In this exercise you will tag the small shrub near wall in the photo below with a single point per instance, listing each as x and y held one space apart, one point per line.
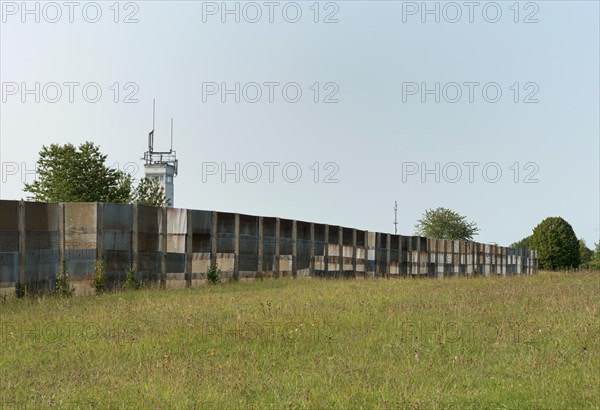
213 276
99 282
131 282
63 287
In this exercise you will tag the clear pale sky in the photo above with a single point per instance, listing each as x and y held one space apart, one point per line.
376 50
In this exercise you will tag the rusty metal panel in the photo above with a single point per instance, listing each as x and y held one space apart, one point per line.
395 255
303 245
9 243
333 259
41 245
269 245
448 266
440 247
148 228
201 221
381 253
149 254
334 252
319 239
334 232
176 239
347 236
487 267
498 260
347 252
80 224
117 217
370 253
80 238
225 232
371 245
117 224
249 244
432 249
176 230
41 216
201 230
422 244
463 253
9 216
286 238
200 264
347 255
439 256
360 253
117 227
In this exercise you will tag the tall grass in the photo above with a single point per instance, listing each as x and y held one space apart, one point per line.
527 342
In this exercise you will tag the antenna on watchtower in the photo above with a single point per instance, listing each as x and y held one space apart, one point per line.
395 217
151 133
171 150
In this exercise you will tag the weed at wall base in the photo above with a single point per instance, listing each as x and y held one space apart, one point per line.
99 282
63 287
131 282
213 276
21 290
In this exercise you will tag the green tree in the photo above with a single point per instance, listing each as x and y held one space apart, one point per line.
444 223
595 259
77 174
556 243
524 243
585 254
150 192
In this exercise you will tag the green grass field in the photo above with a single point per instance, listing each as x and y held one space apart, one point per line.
518 342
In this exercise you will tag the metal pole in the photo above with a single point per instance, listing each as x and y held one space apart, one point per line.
395 217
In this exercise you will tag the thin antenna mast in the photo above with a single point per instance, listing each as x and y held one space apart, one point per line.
161 164
153 112
395 217
151 133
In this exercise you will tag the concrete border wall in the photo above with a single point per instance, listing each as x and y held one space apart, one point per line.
175 247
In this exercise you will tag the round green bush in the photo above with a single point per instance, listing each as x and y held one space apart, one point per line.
556 243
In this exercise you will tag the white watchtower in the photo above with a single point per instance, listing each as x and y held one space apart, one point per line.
161 165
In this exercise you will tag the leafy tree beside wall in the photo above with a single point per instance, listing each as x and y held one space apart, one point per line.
150 192
524 243
79 174
444 223
585 254
595 260
556 243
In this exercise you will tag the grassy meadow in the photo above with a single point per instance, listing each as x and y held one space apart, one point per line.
468 343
